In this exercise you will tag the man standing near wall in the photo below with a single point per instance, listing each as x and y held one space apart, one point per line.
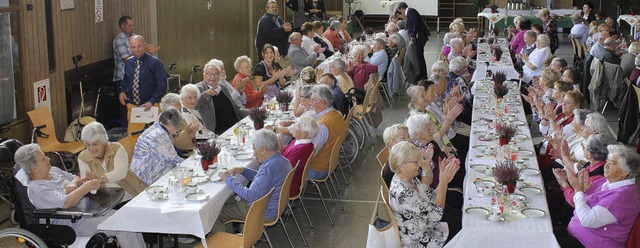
418 32
121 48
145 80
272 30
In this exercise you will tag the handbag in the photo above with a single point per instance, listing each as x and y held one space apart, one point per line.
381 233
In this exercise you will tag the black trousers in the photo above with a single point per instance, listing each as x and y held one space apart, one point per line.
421 61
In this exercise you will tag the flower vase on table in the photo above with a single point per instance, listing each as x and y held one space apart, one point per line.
507 174
258 116
209 153
284 98
505 132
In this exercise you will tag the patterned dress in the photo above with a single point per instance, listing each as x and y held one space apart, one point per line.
550 28
417 214
154 154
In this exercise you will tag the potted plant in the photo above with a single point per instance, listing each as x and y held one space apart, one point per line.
499 77
506 173
505 132
258 116
500 90
209 153
284 98
497 52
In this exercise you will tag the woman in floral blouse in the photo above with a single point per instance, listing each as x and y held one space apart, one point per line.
417 208
550 28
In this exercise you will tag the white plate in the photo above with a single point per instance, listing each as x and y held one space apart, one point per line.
477 211
479 167
215 177
530 171
533 212
199 174
199 179
526 153
518 197
530 190
519 123
244 157
521 137
197 197
485 183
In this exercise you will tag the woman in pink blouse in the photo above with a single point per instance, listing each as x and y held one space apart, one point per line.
517 43
358 69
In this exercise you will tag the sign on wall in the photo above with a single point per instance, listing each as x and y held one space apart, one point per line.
42 94
99 11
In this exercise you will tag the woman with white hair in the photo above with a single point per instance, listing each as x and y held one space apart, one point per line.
457 79
423 135
395 134
627 60
189 98
456 44
106 161
184 140
299 150
534 63
52 188
418 208
337 67
571 152
550 28
155 153
446 49
253 96
358 69
271 174
607 208
440 67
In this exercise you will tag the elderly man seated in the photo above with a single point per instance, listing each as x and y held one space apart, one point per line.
331 126
299 57
379 57
215 103
338 97
271 174
50 187
609 51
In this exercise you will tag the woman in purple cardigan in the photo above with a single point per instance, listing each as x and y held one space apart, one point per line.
299 150
606 209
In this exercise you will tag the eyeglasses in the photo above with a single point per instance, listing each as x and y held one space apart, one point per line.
412 161
206 74
91 145
567 103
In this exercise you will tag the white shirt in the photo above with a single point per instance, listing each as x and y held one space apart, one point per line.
537 58
308 44
379 59
595 49
597 216
302 141
580 31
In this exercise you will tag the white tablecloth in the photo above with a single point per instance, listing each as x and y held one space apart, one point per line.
492 17
532 12
632 20
484 55
476 230
176 215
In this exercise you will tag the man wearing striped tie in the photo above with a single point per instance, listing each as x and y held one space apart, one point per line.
145 80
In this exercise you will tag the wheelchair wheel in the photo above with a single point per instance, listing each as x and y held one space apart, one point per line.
359 131
349 149
16 237
12 217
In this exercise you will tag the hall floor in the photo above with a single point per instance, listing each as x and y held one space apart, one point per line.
359 196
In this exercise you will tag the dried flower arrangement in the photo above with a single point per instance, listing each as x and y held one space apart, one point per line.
258 115
208 150
506 172
500 90
506 131
284 97
499 77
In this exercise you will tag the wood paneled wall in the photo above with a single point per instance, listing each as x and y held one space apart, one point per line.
74 32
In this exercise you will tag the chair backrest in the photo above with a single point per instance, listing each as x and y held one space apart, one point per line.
384 191
254 222
42 116
129 144
284 193
579 48
350 115
634 235
305 174
637 90
133 127
574 46
383 156
335 154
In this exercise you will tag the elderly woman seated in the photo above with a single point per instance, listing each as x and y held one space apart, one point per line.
184 140
271 174
337 67
358 69
440 67
395 134
189 97
423 136
541 94
605 209
534 63
253 96
458 49
50 187
635 74
457 79
299 150
446 49
557 125
107 161
417 207
155 153
585 124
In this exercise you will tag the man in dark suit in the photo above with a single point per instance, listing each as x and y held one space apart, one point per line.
587 12
418 32
145 80
272 30
219 112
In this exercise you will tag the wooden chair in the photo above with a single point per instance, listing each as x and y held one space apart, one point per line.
283 203
42 120
384 191
252 231
363 111
349 158
129 144
383 156
634 235
333 162
637 94
135 127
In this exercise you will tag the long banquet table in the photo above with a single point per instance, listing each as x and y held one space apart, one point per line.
177 215
477 231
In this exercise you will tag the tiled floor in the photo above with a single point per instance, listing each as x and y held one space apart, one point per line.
359 196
